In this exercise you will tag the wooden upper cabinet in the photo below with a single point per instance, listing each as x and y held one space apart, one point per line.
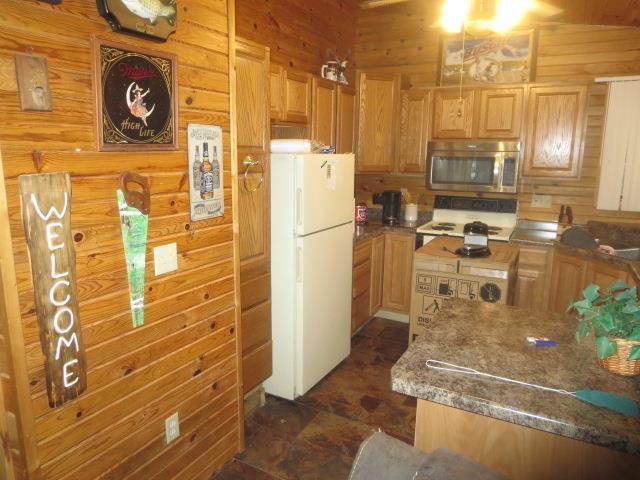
324 111
500 113
297 97
453 114
276 87
554 130
414 131
346 117
378 98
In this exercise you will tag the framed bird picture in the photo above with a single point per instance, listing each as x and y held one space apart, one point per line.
136 98
152 18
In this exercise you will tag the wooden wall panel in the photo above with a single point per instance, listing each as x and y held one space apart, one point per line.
299 32
184 359
399 39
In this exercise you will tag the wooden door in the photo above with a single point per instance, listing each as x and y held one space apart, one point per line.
378 98
252 89
532 284
605 275
297 97
398 262
414 131
500 113
276 92
360 294
323 111
453 113
377 269
568 279
554 131
346 128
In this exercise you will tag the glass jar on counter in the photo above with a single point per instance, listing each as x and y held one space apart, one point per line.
361 213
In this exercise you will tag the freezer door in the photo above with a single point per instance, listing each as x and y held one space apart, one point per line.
323 191
323 301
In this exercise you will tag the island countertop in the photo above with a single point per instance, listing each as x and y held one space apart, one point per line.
492 338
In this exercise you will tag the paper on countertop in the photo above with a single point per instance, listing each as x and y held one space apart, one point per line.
290 145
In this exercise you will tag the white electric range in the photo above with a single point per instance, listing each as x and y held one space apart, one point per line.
451 214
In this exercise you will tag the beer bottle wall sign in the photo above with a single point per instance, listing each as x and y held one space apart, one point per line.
46 216
206 182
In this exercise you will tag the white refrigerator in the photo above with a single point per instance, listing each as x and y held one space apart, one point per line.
312 208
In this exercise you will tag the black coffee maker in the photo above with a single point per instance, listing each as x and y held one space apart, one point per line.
390 201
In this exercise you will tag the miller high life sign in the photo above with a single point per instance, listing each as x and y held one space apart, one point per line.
46 205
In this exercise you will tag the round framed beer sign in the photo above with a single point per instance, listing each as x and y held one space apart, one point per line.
136 98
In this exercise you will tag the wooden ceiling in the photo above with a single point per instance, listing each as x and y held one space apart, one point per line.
588 12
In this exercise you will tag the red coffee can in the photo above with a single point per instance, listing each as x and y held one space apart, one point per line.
361 213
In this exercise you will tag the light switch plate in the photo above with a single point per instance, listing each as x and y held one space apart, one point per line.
172 428
165 258
540 201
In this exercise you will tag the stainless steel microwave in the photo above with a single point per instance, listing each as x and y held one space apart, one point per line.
486 166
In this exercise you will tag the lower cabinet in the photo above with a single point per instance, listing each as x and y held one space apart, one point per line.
532 283
361 285
572 273
398 262
381 276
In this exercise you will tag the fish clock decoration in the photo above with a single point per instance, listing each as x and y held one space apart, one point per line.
136 99
153 18
133 205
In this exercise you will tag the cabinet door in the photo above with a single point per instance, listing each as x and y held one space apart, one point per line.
323 111
568 279
297 97
398 261
276 89
252 90
554 130
414 115
452 114
605 275
377 269
500 113
346 129
377 100
532 284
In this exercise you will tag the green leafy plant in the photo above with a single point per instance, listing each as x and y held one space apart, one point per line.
612 314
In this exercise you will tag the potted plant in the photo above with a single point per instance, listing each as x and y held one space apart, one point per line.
614 316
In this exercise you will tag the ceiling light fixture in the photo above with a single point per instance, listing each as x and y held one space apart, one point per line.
455 15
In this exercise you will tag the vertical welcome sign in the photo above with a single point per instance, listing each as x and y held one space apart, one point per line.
46 205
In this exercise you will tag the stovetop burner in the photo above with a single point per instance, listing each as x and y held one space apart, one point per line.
442 228
493 232
446 224
495 229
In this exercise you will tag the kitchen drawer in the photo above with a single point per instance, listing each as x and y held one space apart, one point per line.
361 278
361 252
534 257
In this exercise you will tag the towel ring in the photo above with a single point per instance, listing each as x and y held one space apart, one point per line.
250 162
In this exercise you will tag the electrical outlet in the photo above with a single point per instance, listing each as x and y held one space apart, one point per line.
165 258
172 428
541 201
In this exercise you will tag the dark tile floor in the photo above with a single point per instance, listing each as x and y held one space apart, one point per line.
318 435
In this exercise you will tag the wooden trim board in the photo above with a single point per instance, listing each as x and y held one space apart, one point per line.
520 452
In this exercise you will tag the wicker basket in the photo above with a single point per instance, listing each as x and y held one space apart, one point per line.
619 363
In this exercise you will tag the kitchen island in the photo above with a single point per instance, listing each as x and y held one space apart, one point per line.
523 432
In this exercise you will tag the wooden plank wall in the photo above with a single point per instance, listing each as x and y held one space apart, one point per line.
399 39
299 32
184 358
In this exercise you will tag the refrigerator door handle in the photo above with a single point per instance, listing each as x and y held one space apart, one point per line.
299 265
299 205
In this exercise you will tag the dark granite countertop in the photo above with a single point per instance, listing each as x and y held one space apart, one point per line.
492 338
374 228
632 266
